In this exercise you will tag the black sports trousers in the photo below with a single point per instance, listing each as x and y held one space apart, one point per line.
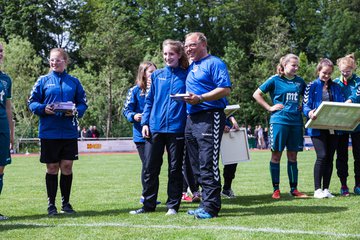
154 150
203 134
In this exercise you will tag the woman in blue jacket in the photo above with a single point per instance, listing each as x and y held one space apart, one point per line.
58 129
349 83
163 124
325 141
134 107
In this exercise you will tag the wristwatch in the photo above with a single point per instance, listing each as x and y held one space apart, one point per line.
201 99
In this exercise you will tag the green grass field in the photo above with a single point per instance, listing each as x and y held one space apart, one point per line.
107 187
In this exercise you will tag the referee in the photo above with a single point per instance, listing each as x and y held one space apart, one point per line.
208 83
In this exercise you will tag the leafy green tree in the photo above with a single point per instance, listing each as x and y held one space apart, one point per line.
113 54
272 40
45 23
307 69
306 19
235 21
242 86
24 67
340 35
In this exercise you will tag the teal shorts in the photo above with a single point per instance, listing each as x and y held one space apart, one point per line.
5 157
289 136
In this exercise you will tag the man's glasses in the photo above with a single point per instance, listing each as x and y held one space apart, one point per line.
191 45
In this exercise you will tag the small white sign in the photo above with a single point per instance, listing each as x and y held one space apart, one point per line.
230 109
234 147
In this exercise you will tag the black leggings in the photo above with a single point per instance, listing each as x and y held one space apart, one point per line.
325 146
343 157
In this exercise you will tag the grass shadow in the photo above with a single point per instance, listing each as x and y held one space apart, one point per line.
278 210
16 226
250 200
78 214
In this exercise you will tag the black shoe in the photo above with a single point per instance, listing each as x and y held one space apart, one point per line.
52 210
138 211
228 193
2 217
67 208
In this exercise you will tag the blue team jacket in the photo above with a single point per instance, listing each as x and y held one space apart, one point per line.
313 99
161 113
57 87
135 102
351 91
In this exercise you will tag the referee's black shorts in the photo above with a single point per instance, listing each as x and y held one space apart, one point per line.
55 150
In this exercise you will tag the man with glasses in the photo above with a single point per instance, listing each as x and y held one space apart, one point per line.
208 83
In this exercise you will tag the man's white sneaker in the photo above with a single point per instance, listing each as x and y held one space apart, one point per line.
327 193
319 193
171 212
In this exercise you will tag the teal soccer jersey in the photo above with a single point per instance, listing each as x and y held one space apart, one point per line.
5 93
286 92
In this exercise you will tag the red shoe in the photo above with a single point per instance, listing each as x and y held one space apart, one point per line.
298 194
276 194
186 198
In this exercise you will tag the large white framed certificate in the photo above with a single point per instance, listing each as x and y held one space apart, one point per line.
234 147
336 116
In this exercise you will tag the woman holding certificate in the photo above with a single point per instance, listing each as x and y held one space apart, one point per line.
163 124
325 141
58 126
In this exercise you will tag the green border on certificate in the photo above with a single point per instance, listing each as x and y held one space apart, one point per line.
336 116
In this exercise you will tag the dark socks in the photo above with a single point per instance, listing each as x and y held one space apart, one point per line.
65 187
292 174
1 182
51 187
275 174
343 181
227 183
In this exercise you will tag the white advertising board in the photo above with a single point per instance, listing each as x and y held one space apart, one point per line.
336 116
234 147
106 146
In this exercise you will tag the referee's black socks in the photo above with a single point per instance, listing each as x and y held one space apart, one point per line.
51 187
65 187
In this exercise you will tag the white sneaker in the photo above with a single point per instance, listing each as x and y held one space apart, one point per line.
319 194
327 193
171 212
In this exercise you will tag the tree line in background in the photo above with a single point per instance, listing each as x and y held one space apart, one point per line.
108 39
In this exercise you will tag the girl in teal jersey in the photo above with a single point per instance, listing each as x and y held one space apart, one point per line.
6 123
286 125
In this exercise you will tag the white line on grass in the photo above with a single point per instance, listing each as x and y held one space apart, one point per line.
232 228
